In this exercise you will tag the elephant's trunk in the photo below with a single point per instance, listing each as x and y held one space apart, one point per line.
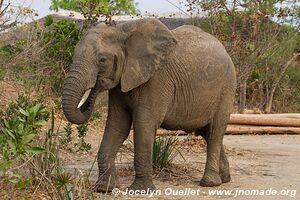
76 110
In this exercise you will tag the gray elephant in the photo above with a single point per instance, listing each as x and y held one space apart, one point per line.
177 80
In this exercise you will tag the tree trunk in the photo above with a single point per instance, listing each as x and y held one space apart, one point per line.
243 93
277 81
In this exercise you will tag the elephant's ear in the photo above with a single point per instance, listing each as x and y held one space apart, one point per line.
147 44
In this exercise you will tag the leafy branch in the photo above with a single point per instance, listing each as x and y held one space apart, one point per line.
92 10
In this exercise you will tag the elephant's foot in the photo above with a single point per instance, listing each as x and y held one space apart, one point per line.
211 179
224 169
142 184
104 186
106 182
225 175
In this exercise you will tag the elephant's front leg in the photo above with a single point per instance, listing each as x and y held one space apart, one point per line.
144 134
116 132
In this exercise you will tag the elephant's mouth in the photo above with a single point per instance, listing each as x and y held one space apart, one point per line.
88 98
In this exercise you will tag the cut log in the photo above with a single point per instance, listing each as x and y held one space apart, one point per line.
264 120
282 115
245 129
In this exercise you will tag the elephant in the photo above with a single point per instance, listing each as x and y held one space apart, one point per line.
181 79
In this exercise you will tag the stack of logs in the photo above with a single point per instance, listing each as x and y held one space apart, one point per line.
264 124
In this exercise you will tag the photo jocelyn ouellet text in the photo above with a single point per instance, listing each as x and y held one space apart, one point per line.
211 192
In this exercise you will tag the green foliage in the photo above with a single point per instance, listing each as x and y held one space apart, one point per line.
66 139
164 151
61 39
24 103
32 166
56 77
96 115
8 50
19 126
65 4
93 9
20 181
82 130
293 77
63 181
12 49
47 53
298 11
49 164
49 20
81 133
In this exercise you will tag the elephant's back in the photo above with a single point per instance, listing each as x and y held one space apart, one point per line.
202 54
194 41
194 36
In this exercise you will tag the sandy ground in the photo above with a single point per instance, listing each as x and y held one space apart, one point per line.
257 163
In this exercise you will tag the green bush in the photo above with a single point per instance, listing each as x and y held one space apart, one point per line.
82 130
66 138
61 39
293 77
18 126
11 49
96 115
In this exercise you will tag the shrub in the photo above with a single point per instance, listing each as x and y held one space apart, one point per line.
82 130
164 151
61 39
96 115
66 138
19 125
11 49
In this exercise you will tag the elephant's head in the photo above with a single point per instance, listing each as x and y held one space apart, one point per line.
127 54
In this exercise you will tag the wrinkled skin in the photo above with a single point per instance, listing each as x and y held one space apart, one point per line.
178 80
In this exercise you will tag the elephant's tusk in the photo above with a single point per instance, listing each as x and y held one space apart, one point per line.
84 98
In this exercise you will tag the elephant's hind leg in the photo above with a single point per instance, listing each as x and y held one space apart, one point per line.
224 164
224 167
217 167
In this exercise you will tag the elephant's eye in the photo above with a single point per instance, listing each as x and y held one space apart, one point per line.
102 60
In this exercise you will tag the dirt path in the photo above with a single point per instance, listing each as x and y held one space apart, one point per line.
257 163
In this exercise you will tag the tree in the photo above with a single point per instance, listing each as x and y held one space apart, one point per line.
276 82
261 37
93 9
12 15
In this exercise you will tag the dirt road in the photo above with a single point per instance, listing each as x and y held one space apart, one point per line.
264 164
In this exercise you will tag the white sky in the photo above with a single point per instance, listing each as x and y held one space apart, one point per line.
42 6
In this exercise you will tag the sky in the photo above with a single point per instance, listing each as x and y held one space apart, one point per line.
42 6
